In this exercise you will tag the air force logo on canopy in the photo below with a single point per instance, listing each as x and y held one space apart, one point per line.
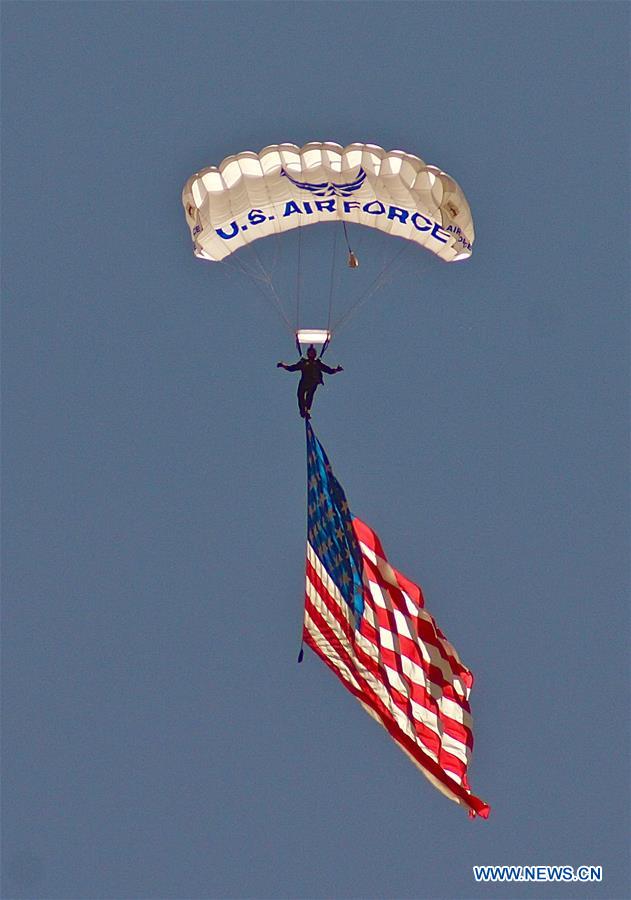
328 189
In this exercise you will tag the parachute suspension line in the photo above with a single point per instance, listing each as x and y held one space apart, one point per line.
279 305
298 277
274 300
332 283
240 266
267 278
331 287
279 255
372 288
273 264
348 243
277 244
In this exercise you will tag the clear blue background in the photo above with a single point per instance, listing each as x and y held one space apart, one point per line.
159 739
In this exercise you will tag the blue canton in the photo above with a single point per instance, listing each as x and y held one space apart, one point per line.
330 526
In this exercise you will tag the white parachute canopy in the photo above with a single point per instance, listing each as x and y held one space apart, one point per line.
253 195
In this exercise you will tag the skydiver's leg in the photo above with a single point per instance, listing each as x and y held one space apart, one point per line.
302 406
309 398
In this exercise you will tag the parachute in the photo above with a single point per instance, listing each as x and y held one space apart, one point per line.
251 196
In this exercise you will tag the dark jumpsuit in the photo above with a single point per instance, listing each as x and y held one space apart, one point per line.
310 378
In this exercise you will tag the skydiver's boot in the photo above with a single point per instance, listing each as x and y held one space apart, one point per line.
302 406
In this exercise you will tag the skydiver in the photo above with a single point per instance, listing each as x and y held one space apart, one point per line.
311 370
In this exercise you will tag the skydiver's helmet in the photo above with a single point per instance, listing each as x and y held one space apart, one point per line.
311 352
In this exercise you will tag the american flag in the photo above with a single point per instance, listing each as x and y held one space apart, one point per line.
368 623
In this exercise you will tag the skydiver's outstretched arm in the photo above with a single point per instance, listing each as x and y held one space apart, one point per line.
294 368
329 370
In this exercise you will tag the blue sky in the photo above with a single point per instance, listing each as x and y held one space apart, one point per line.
159 740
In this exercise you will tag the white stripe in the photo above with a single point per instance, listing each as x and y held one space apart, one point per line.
368 552
452 745
451 710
